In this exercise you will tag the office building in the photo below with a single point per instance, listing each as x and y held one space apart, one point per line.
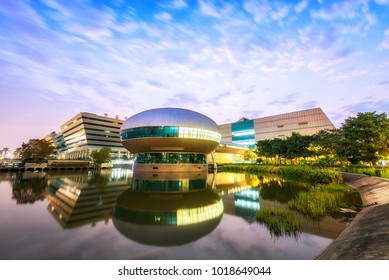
248 131
86 132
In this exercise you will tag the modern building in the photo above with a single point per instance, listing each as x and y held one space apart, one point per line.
249 131
172 135
170 139
57 141
87 132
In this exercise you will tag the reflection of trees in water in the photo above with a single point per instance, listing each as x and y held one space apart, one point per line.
279 223
276 189
29 190
99 180
314 200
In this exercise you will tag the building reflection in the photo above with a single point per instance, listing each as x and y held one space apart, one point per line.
244 194
85 198
167 209
239 193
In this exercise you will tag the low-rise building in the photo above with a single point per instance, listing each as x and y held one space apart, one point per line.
87 132
249 131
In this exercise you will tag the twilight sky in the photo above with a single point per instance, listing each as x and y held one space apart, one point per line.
225 59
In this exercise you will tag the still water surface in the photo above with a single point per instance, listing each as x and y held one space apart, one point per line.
120 215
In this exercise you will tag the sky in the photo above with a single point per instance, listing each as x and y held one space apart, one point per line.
224 59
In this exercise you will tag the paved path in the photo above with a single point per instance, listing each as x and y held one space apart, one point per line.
367 236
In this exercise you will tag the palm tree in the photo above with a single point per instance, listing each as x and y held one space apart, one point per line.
5 151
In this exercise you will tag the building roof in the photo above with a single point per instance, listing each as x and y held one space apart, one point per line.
170 117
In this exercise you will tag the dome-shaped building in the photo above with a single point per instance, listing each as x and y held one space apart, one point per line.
170 139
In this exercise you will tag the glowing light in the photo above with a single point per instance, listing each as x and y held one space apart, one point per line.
199 214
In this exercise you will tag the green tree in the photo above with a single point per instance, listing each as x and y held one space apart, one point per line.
364 138
17 153
250 156
324 142
274 148
298 146
36 150
102 155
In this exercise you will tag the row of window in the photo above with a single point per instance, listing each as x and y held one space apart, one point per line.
170 131
171 158
169 185
183 216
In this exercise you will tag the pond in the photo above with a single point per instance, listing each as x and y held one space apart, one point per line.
116 214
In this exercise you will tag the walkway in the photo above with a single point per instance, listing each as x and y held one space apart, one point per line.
367 236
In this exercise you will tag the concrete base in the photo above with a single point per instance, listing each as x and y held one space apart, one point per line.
367 236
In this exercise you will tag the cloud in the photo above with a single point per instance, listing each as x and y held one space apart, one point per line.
383 83
76 18
370 105
262 11
309 104
217 99
124 84
343 53
164 16
382 2
156 84
179 4
342 10
252 114
206 8
385 42
183 99
301 6
285 100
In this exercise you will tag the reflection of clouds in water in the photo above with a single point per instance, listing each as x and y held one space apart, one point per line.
39 236
233 239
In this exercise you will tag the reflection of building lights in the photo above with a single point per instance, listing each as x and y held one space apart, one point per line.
251 194
253 205
199 214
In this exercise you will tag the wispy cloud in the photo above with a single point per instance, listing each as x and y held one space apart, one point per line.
224 58
385 42
301 6
206 8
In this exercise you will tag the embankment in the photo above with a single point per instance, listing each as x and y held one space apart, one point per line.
367 236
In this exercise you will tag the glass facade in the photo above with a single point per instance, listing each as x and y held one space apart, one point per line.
179 217
170 131
61 144
171 158
243 133
169 185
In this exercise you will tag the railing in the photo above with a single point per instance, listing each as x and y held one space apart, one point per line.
19 166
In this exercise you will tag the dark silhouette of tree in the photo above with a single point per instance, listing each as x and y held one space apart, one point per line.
28 191
36 150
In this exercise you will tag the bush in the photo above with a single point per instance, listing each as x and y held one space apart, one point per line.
306 173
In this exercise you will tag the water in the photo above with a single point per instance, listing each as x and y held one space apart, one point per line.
120 215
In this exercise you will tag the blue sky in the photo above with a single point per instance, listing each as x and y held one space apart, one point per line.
225 59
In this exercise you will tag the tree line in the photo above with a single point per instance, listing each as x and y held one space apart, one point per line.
360 139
